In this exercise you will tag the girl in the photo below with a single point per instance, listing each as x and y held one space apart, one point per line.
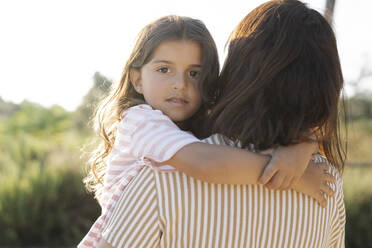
167 85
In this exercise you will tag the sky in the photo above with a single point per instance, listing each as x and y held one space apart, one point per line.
50 49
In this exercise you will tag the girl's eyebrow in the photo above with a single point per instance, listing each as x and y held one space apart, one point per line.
161 61
170 62
196 65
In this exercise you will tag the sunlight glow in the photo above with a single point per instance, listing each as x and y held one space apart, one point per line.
50 50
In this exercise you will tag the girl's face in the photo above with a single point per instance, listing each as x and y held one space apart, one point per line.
169 81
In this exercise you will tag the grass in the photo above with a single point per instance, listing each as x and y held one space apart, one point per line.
360 141
357 182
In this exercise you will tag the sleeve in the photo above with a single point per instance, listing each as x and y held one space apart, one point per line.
153 135
135 220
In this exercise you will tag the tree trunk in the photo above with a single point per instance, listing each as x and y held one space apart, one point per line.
329 10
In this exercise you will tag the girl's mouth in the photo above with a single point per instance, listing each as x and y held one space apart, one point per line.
177 101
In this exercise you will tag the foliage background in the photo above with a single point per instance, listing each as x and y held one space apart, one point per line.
42 198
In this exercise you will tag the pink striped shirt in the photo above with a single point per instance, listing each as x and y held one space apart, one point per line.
144 137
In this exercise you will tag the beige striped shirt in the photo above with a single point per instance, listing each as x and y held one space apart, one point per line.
175 210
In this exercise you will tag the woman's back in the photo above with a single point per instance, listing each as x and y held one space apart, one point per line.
175 210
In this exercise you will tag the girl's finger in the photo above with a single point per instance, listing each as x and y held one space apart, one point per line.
321 199
285 184
276 181
325 166
327 190
268 173
329 178
296 180
267 152
268 185
292 183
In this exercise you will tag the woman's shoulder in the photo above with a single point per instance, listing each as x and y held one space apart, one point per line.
220 139
333 170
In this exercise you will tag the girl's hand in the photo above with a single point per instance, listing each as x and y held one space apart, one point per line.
287 165
315 182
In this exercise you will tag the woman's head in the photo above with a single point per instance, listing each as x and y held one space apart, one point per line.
281 79
161 34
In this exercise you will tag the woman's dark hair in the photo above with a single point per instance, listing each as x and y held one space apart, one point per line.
281 81
124 96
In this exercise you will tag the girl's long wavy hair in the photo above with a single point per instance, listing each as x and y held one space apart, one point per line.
281 79
124 96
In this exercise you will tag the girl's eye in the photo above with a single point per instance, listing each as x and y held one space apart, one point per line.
194 74
163 70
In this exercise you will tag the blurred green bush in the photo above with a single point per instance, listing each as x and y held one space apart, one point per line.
359 222
45 208
43 201
358 201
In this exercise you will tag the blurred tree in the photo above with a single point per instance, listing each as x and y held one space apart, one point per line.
32 133
84 112
329 10
365 72
7 108
360 104
37 120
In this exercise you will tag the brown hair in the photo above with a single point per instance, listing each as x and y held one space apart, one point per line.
124 96
281 79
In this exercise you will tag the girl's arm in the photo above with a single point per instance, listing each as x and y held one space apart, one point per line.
144 130
224 164
219 164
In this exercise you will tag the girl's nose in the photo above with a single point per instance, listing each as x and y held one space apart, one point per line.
179 82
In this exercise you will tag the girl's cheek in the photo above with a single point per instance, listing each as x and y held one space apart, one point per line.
158 79
195 84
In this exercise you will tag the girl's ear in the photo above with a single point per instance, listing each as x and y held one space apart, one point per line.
135 79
